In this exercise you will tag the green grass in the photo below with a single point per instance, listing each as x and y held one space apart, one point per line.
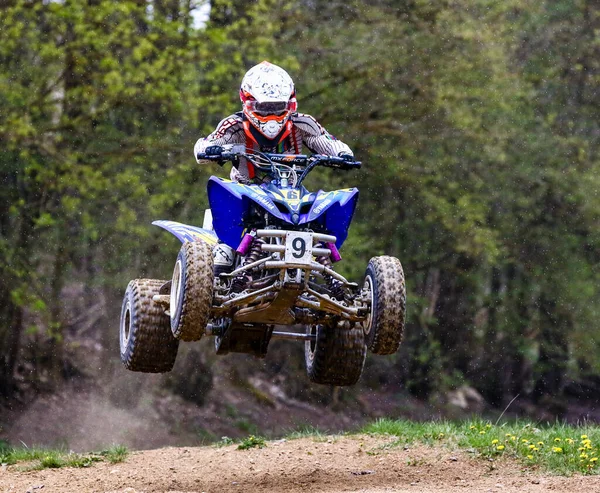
307 431
558 448
42 458
117 453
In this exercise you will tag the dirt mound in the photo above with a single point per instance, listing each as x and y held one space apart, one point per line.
355 463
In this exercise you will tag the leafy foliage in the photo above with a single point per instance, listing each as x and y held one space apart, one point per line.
477 122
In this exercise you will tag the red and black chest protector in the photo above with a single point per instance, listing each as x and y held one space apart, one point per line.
285 141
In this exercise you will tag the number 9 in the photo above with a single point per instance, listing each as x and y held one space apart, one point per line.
298 247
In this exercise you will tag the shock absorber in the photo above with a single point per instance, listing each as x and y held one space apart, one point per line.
334 286
254 253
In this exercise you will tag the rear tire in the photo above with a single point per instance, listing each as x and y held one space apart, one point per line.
384 329
146 341
191 291
337 355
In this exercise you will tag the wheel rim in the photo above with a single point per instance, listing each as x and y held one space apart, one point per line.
175 290
125 326
368 323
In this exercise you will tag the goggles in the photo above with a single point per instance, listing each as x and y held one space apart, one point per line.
270 107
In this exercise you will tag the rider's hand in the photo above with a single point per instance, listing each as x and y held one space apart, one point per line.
214 152
349 159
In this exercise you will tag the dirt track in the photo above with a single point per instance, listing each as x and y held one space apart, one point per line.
329 465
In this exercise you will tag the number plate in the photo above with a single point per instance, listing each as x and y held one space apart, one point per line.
298 248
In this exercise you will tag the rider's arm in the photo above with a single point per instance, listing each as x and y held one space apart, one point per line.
317 139
229 131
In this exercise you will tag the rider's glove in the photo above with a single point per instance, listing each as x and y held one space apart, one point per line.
349 159
214 151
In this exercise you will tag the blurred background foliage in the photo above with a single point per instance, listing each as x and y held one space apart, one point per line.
478 123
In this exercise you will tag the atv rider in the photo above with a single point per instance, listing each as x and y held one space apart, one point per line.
269 122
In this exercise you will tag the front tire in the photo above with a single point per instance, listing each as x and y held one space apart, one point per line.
146 342
191 291
384 281
337 355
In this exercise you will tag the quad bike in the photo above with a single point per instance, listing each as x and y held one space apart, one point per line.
262 268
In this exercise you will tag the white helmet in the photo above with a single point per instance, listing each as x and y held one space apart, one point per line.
269 98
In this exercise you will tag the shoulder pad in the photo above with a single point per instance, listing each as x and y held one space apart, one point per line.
225 125
307 123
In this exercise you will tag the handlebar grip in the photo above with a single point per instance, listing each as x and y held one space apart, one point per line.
348 165
228 156
218 158
210 157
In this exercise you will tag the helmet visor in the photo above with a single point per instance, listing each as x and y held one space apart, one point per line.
269 107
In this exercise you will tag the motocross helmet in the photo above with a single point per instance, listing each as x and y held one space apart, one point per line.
268 97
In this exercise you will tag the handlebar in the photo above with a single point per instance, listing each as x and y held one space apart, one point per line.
218 158
268 159
337 162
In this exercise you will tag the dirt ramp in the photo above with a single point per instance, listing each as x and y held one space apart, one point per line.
331 464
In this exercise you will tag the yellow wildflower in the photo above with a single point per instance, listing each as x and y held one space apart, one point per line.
471 427
532 446
558 450
500 447
494 442
508 435
524 440
540 443
557 439
535 449
488 425
482 432
583 456
594 459
583 437
530 457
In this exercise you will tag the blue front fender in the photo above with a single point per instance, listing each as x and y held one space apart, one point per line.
184 232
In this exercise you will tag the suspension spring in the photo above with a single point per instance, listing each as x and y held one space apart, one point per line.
255 251
335 287
239 283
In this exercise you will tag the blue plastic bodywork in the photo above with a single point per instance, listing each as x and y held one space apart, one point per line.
231 201
184 233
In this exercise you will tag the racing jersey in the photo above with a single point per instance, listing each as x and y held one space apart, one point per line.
299 131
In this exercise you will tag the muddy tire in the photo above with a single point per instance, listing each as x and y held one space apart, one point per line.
146 341
191 291
384 281
337 356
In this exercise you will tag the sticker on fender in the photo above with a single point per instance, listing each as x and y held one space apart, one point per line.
298 248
